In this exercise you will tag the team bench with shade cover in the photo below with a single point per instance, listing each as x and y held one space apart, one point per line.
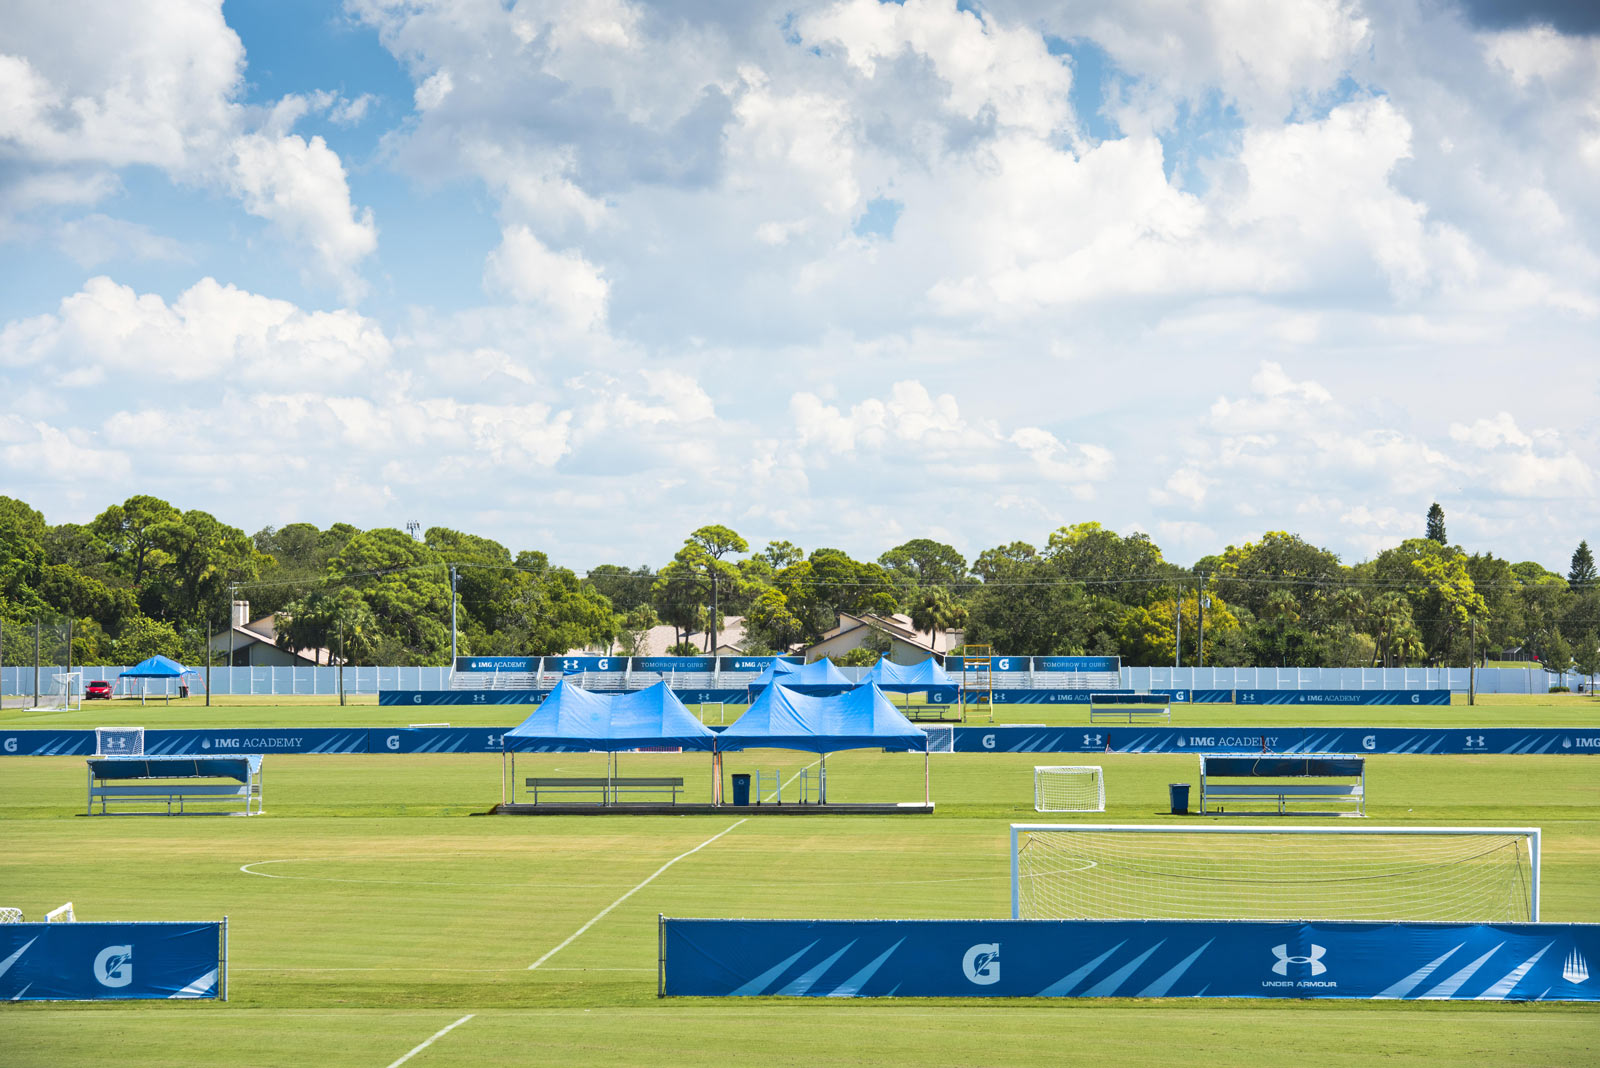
1289 785
176 784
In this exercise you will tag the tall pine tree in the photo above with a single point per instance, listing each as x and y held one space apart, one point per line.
1436 524
1582 577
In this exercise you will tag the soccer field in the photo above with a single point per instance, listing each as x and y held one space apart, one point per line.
372 907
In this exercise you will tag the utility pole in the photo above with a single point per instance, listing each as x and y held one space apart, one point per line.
341 660
1177 641
36 630
713 649
452 617
1200 601
233 599
210 656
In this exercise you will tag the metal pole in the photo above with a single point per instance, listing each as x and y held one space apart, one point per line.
1177 641
208 665
1472 662
233 596
36 627
67 680
1200 660
452 617
713 649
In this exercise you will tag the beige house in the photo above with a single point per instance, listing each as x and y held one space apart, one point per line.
907 644
255 643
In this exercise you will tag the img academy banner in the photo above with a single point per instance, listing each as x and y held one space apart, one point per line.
111 961
1395 741
1129 958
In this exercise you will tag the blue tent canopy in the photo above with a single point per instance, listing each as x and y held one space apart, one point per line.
862 718
157 667
908 678
574 720
817 677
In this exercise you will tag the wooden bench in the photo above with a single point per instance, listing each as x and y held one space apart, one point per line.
167 784
610 790
1290 790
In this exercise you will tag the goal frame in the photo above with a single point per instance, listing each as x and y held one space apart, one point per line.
1531 833
65 693
1099 779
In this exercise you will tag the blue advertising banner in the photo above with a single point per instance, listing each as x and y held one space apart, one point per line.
1081 697
320 740
461 697
571 665
437 739
754 663
108 961
1341 697
1394 741
667 665
953 664
497 663
46 743
1077 663
1128 958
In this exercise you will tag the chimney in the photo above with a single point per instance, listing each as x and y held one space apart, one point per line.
241 613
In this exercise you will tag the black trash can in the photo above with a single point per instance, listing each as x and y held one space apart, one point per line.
1179 794
741 788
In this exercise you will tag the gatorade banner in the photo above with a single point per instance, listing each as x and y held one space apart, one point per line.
109 961
1129 958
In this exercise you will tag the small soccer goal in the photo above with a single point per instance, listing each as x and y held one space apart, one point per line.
1380 874
64 692
940 739
1069 789
10 915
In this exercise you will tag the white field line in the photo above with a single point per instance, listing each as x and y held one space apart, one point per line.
603 912
437 1036
779 791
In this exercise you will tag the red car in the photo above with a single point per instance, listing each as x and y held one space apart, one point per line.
99 690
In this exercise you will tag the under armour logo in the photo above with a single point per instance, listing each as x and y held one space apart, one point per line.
1576 969
1284 960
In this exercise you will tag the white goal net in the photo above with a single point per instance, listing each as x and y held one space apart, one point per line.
1069 789
1103 872
65 691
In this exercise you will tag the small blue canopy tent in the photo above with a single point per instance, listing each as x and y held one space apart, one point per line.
157 667
862 718
888 676
817 678
572 719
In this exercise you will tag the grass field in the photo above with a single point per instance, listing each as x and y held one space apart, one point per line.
1515 710
373 906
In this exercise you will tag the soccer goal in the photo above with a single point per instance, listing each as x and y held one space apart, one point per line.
1069 789
1146 872
10 915
65 692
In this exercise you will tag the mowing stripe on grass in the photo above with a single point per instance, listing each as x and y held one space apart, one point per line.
437 1036
602 913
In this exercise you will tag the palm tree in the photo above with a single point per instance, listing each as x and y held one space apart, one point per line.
935 612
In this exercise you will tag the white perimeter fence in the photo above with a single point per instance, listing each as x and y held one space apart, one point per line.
312 681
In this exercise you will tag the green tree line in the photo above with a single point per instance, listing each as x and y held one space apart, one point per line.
144 577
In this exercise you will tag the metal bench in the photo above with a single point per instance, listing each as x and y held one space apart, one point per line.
939 712
610 790
1129 707
164 784
1282 794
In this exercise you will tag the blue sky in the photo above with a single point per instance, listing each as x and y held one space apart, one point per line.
584 275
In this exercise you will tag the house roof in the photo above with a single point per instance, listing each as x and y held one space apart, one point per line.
265 631
898 626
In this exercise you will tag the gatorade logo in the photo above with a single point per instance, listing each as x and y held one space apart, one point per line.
981 965
11 745
393 741
988 741
113 966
